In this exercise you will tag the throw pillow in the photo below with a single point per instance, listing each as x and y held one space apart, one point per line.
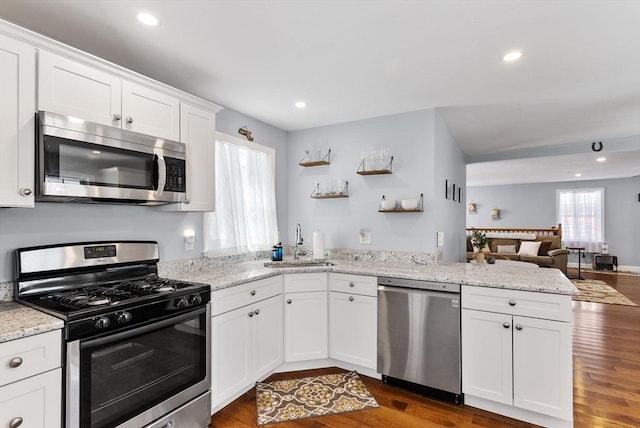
529 248
545 247
495 242
507 249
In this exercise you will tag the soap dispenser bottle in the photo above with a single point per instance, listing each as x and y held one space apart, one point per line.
276 253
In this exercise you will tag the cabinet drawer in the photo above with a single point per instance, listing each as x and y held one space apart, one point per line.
516 302
354 284
30 356
302 282
241 295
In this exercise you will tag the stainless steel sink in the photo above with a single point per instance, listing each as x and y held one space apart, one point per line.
298 263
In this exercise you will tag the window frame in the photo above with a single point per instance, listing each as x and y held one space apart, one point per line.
583 189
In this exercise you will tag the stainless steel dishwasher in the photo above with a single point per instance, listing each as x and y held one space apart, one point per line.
419 336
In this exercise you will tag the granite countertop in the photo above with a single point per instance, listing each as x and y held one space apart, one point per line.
17 321
496 276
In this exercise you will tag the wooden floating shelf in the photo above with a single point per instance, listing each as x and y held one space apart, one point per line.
328 196
374 172
315 163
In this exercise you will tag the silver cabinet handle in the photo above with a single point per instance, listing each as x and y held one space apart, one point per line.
257 311
512 302
116 117
252 292
351 284
15 422
351 298
15 362
25 192
288 301
129 120
250 314
518 327
506 325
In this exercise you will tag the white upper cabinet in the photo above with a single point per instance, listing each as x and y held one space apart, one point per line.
197 131
17 130
75 89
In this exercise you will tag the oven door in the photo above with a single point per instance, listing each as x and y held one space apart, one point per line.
134 377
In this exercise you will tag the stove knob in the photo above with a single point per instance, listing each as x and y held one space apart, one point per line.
182 303
195 299
123 317
101 323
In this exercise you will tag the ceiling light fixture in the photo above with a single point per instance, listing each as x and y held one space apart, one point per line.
512 56
578 174
601 159
301 104
148 19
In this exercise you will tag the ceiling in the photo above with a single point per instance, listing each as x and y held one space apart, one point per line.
578 80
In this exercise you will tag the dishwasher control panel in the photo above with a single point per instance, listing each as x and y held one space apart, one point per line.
422 285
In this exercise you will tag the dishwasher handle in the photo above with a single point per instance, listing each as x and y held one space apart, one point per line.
392 289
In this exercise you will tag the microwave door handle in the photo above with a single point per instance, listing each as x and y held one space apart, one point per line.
162 175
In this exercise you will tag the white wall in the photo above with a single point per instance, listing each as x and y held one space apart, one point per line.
534 205
413 141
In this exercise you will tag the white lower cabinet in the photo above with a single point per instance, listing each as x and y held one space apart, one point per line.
247 341
34 402
305 309
522 362
353 311
31 381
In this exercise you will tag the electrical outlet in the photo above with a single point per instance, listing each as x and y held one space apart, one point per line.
440 239
365 237
188 242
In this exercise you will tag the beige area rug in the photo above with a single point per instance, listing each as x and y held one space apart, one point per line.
593 290
287 400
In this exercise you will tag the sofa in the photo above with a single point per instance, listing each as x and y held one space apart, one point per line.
550 253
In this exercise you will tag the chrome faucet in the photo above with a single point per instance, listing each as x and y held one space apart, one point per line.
298 251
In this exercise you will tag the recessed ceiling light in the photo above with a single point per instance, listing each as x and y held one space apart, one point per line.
578 174
148 19
512 56
601 159
301 104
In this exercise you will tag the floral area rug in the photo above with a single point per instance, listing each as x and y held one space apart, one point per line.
286 400
593 290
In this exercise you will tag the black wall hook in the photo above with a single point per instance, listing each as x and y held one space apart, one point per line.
596 147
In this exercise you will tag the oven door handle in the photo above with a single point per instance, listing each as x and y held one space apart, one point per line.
141 330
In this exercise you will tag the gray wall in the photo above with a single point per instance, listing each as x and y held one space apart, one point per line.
415 142
534 205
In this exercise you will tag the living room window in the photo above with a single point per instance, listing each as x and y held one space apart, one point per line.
581 213
245 218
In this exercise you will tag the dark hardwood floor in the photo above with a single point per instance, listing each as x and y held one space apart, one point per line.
606 355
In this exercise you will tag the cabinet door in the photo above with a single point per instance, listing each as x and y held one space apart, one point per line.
33 402
267 336
150 112
73 89
231 353
17 129
353 328
487 355
197 131
305 326
542 372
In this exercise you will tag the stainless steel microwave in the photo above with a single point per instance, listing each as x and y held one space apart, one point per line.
80 161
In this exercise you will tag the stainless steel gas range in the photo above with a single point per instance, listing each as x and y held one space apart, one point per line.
137 346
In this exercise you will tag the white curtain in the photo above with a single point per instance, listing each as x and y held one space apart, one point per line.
245 215
580 211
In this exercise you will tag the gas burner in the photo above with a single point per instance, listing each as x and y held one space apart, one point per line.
78 299
151 285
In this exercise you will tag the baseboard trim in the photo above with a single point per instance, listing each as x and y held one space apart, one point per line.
621 268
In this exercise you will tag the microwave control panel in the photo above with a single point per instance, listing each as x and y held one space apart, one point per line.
176 176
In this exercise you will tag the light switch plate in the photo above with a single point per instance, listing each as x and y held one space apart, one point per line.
440 239
365 237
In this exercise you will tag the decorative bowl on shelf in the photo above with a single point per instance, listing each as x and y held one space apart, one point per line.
409 204
388 205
